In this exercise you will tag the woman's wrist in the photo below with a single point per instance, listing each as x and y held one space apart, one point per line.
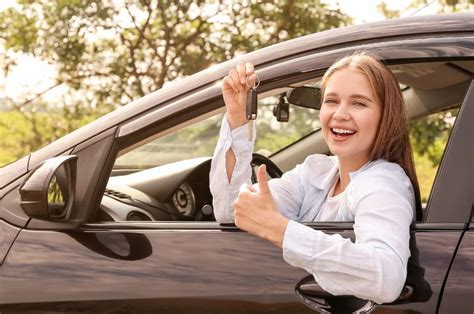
236 120
275 230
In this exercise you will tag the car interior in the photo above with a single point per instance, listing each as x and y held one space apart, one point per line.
165 176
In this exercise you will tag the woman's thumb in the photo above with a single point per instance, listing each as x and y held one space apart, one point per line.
262 179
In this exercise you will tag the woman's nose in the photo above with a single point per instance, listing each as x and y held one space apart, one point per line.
341 113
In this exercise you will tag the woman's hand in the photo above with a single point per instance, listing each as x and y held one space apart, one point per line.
234 91
256 212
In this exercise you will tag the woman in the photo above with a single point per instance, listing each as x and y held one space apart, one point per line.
370 180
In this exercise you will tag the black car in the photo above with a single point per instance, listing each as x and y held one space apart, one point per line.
117 215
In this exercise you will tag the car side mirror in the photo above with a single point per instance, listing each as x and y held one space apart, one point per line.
48 191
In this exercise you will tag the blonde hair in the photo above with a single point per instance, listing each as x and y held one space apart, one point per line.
392 141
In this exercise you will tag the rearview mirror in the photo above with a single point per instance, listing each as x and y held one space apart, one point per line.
305 96
48 191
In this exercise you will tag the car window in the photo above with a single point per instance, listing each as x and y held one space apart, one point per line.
199 139
195 140
165 177
429 136
273 135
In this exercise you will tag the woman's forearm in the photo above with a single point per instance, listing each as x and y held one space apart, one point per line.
229 163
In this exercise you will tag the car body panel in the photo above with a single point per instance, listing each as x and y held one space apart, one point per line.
78 266
159 264
8 234
13 171
458 296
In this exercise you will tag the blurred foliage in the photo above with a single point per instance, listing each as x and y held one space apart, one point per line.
429 136
200 139
21 131
426 172
111 52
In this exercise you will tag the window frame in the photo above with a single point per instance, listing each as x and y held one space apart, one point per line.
276 75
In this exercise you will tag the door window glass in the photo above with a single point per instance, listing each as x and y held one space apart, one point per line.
429 136
199 139
166 177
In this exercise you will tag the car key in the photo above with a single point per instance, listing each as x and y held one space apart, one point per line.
251 106
251 109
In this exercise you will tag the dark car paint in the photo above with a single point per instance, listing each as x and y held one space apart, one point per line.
8 234
234 269
204 267
222 266
459 288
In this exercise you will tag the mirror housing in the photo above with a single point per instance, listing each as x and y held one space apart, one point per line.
282 110
305 96
48 191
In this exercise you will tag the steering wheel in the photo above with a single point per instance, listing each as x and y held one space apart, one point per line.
272 169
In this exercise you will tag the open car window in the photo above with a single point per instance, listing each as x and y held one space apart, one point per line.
199 139
165 177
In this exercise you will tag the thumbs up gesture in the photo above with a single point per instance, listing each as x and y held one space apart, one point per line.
255 211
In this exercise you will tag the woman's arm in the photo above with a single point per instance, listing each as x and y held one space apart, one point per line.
374 267
230 166
225 186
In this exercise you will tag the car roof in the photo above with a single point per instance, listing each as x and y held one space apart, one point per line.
428 25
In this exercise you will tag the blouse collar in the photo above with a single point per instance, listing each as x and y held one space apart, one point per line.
326 172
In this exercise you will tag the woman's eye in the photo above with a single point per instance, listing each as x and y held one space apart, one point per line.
360 104
329 101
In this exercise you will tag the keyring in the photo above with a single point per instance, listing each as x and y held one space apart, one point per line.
255 85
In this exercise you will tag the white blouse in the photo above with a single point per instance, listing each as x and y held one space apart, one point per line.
331 206
379 199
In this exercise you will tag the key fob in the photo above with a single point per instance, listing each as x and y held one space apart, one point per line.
251 109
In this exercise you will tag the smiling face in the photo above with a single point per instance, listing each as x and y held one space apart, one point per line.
350 116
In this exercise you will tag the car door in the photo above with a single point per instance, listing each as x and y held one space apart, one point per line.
459 286
162 267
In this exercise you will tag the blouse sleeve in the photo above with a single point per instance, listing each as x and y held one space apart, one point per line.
287 190
374 266
224 193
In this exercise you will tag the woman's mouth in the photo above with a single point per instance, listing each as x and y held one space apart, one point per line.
342 133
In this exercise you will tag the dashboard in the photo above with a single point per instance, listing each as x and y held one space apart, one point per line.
173 192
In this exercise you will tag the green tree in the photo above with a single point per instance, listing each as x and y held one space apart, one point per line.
109 53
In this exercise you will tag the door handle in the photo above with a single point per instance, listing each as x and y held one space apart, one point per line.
313 296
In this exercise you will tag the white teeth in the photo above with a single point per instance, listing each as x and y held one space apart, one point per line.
342 131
